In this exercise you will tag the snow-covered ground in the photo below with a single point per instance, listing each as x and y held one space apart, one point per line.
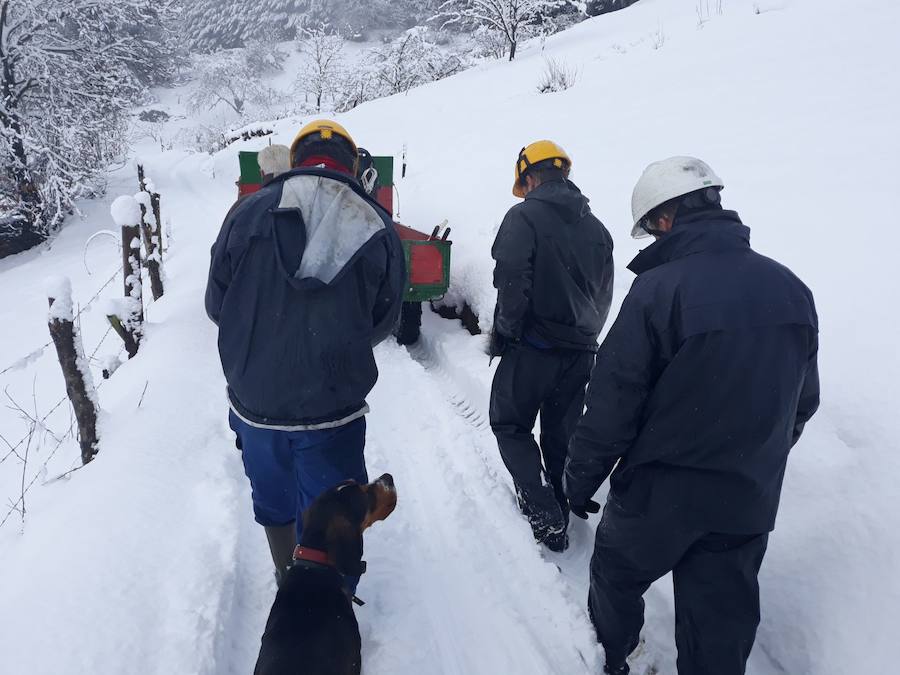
148 560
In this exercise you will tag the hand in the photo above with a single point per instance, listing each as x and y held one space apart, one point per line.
497 345
582 511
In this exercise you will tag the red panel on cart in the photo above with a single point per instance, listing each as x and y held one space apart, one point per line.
385 197
426 265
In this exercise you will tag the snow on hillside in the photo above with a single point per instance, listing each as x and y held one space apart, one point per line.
148 561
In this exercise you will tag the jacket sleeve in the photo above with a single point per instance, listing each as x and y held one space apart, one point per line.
389 298
220 270
513 252
625 373
809 395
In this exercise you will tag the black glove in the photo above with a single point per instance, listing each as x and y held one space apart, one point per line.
582 510
498 344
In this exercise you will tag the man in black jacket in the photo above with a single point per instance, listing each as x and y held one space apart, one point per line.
700 390
307 275
554 278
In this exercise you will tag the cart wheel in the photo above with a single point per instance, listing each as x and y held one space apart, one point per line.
410 323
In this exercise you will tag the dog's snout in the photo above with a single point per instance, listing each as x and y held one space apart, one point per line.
386 480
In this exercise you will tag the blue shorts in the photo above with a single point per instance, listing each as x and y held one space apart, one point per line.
289 469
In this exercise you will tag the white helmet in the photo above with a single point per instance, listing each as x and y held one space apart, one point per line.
665 180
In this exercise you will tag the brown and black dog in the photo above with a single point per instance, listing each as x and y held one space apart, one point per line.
312 629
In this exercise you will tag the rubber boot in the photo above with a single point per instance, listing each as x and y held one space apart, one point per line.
282 541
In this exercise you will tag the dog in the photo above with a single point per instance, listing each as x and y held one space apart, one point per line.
312 629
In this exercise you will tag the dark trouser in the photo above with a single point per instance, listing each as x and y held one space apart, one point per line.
716 589
553 383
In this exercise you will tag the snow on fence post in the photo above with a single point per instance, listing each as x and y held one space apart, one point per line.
153 232
127 316
157 218
151 244
77 374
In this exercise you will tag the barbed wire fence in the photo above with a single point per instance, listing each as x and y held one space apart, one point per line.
38 432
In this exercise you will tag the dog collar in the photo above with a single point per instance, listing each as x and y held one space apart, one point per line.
311 555
314 555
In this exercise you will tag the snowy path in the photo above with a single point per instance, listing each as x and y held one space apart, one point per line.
455 585
457 364
479 592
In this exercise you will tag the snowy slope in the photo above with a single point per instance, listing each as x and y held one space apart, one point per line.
148 561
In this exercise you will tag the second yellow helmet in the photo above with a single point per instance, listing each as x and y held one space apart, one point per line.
536 153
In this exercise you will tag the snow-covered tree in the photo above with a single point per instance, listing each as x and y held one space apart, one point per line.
513 19
231 79
210 25
69 72
321 73
264 57
410 60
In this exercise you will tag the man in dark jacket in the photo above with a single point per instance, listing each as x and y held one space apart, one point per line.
554 278
700 390
307 275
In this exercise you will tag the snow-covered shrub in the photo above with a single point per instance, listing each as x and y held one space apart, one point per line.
153 116
557 77
489 43
658 38
705 10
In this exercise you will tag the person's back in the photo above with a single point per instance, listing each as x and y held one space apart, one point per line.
306 299
573 271
735 334
701 388
554 278
307 275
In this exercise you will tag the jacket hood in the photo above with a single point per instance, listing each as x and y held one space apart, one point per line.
716 230
338 221
564 196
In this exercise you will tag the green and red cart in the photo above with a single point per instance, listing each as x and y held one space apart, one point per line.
427 255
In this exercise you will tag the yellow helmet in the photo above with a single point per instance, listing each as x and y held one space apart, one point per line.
539 151
326 130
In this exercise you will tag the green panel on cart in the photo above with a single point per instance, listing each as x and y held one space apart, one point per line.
385 168
249 167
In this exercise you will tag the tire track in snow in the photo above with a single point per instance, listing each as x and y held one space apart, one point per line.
482 574
447 353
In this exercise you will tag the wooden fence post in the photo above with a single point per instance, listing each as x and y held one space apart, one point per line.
77 374
157 218
129 323
152 233
151 245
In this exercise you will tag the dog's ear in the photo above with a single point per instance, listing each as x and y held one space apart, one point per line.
345 546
